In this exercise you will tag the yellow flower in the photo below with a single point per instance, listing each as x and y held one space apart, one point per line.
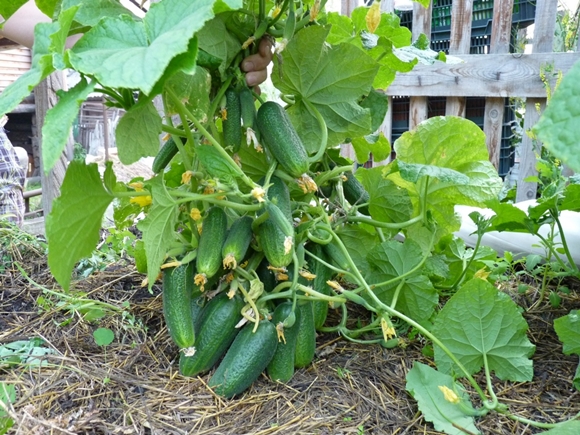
138 186
186 177
387 328
195 214
142 201
449 394
259 193
307 184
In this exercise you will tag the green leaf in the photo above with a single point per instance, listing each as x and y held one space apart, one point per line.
214 163
424 384
9 7
388 202
121 52
311 70
571 199
358 241
40 68
215 39
571 427
389 27
254 163
140 257
413 172
59 119
389 261
49 7
455 144
73 226
103 336
138 132
559 125
7 396
158 228
378 103
192 90
479 323
91 12
377 145
341 30
568 330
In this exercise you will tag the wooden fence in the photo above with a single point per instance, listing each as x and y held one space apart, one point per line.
495 76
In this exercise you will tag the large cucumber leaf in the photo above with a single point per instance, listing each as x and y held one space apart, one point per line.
121 52
324 76
559 126
442 401
480 325
73 226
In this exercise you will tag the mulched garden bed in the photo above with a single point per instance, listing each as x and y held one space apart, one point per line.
133 385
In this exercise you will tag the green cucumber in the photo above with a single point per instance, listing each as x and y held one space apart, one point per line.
281 368
207 60
273 237
267 277
355 193
164 156
337 257
306 340
248 108
178 291
215 333
281 139
323 274
247 357
232 124
209 250
237 242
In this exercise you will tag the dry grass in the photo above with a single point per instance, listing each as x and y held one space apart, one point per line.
133 386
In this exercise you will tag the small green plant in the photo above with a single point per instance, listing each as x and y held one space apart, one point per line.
342 373
24 352
104 337
7 397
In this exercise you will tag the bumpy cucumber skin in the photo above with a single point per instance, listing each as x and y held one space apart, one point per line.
270 235
213 235
215 333
246 358
306 340
336 255
248 108
232 125
281 139
323 274
237 241
178 292
355 193
164 156
281 368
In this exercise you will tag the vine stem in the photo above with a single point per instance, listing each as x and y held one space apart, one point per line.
407 319
564 242
323 132
247 180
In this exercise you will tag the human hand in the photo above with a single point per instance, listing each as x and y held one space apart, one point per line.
255 65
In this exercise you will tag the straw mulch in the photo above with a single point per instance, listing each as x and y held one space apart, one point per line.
133 385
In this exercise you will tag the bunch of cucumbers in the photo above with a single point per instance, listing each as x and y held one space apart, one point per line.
251 294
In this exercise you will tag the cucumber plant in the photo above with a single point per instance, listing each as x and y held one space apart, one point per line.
309 211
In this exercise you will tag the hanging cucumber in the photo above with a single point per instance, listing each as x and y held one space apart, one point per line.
246 358
209 250
215 333
164 156
355 193
281 139
248 108
237 242
178 292
232 120
306 340
281 368
323 274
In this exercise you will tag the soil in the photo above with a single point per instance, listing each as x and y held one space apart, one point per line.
133 385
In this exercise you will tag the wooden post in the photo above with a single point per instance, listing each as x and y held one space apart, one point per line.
421 24
105 131
494 107
460 43
543 38
45 98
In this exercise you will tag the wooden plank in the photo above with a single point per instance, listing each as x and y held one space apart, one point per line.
461 17
482 75
546 11
494 107
421 24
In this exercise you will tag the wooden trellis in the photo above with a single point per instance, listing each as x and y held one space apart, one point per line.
495 76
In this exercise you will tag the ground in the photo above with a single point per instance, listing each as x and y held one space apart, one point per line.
133 386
